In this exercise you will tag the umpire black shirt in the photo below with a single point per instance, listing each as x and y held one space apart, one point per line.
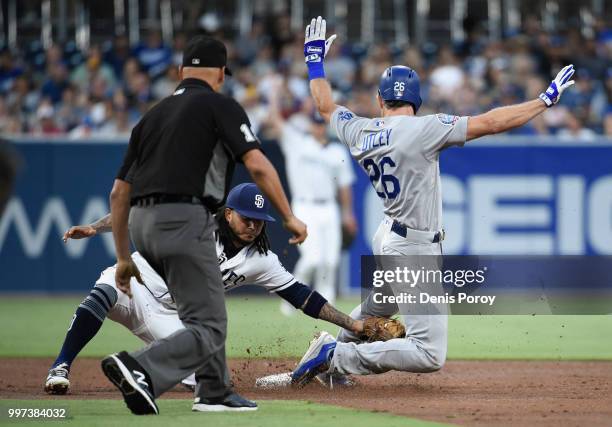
187 145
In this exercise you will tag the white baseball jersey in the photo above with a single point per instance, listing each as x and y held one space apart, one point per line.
247 267
400 154
314 171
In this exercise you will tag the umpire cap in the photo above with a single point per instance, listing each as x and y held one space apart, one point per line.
400 83
247 200
204 51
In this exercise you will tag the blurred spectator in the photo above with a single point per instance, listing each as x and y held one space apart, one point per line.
248 46
447 76
24 97
118 123
69 112
138 92
93 68
180 41
575 130
93 122
166 85
586 97
56 82
106 95
9 70
54 56
118 55
340 69
280 33
45 120
153 55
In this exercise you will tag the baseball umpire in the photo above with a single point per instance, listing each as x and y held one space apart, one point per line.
176 171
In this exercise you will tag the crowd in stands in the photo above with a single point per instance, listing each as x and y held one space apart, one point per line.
103 91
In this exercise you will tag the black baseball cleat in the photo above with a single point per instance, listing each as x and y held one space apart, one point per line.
231 402
132 381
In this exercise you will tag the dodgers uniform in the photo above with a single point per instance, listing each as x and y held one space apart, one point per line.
315 173
400 154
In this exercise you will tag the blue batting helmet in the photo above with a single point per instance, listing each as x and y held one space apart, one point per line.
400 83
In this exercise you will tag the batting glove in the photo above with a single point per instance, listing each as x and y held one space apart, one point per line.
316 47
557 86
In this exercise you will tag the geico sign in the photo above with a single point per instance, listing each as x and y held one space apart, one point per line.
52 222
521 214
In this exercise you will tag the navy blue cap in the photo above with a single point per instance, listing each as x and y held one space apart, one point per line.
248 201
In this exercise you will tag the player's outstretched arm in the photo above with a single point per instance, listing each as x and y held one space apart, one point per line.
331 314
103 225
315 49
313 304
505 118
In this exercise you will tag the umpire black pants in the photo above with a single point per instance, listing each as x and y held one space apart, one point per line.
177 241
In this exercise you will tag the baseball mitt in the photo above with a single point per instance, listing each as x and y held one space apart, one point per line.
382 329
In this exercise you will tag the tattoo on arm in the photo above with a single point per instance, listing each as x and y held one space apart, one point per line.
332 315
103 225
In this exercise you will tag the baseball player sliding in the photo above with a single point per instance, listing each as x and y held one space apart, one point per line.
244 257
400 153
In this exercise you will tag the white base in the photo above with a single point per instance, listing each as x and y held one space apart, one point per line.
274 381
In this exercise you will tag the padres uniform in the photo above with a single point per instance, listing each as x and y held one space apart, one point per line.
315 173
400 155
151 313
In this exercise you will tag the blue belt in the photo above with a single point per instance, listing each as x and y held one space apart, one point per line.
401 230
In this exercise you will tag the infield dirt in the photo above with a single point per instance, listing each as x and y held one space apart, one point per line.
501 393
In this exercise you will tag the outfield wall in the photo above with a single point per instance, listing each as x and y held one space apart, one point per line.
501 196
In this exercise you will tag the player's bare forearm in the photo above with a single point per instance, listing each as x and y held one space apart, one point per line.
321 92
330 314
103 225
345 196
120 209
503 119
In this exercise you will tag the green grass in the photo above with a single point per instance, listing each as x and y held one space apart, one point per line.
35 326
110 413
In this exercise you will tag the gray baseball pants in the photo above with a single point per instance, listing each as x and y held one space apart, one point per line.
425 345
177 241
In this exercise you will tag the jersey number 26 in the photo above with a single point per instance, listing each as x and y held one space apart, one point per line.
389 183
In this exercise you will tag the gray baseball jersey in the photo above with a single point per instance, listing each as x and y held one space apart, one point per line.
400 154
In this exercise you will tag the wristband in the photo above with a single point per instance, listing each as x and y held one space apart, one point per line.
315 70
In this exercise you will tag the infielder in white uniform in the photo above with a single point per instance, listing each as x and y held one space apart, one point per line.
320 176
400 153
244 257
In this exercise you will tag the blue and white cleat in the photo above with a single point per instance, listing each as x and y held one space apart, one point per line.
316 359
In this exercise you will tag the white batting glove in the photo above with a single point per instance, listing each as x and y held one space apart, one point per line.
316 47
558 85
314 40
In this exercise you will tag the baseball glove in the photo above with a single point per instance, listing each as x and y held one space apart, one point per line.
382 329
